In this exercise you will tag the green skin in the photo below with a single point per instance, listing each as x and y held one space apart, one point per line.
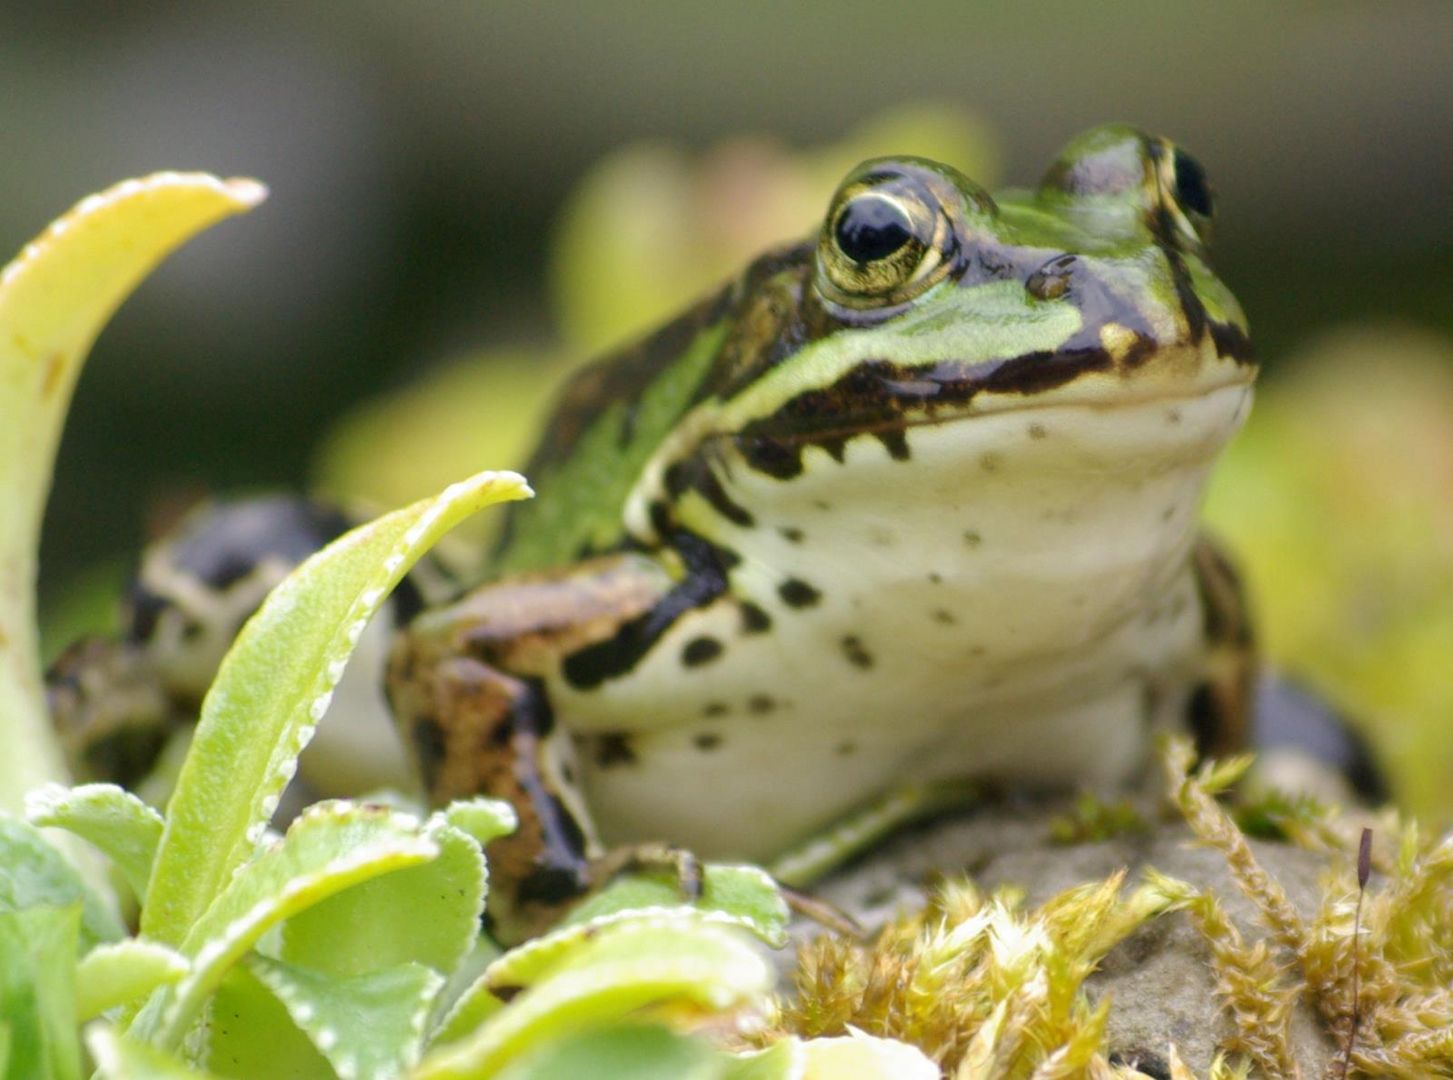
908 505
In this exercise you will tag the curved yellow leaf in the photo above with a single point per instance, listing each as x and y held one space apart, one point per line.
54 298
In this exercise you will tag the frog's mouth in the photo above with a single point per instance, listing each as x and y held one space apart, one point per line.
884 399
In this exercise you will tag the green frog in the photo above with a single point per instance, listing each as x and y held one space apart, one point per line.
907 504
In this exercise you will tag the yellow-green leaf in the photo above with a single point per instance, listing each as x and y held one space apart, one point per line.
274 686
54 298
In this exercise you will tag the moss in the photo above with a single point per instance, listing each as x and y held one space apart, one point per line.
988 987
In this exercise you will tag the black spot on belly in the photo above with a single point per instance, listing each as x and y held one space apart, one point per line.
797 593
701 650
761 704
754 619
1037 431
857 655
990 462
972 538
613 748
707 740
791 534
714 708
944 616
846 749
935 578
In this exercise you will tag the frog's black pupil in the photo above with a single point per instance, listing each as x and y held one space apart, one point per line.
872 227
1191 186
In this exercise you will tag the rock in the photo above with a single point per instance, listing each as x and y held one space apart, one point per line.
1160 978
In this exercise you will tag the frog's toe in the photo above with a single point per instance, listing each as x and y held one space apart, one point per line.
824 913
649 858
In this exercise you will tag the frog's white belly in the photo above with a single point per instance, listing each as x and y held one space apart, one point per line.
1012 602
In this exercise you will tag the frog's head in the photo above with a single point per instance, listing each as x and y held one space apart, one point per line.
927 300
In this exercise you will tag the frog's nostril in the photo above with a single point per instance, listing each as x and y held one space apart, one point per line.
1052 279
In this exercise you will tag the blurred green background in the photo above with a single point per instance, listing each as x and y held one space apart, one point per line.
523 182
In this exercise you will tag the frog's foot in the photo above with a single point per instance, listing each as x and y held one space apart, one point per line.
825 914
527 905
649 858
1305 746
110 709
866 826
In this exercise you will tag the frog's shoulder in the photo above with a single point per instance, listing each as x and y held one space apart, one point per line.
624 376
613 414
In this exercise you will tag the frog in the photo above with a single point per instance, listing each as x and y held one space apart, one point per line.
910 502
908 506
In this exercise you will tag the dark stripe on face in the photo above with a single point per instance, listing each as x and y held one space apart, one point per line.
696 474
1232 343
884 398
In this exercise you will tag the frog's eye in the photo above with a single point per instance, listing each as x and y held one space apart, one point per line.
886 239
1189 194
872 227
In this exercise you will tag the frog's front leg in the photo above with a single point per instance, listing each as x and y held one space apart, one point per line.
469 687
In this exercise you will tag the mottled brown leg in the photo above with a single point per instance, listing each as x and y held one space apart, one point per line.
1302 743
475 730
111 711
467 687
1220 712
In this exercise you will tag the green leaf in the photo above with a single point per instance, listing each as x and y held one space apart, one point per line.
483 819
466 1001
330 847
743 896
368 1026
648 961
33 873
250 1035
629 1052
38 991
427 914
120 1058
633 1051
119 974
123 827
273 687
782 1060
740 894
54 298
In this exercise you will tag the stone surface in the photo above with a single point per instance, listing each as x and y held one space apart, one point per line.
1161 980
